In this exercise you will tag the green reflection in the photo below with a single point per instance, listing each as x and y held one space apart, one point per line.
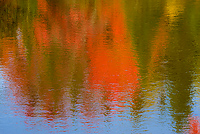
167 51
88 57
181 61
9 14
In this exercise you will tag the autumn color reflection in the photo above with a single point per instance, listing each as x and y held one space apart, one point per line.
41 71
76 56
193 125
113 70
86 65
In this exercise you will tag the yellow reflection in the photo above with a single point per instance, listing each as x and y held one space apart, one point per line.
156 67
174 8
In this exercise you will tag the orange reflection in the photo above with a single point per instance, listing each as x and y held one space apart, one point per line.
156 65
194 125
38 79
113 66
48 79
58 38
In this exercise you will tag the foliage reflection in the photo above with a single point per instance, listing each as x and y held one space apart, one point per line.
93 60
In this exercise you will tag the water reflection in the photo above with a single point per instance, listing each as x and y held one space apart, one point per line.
9 14
181 71
194 125
81 66
167 60
79 62
112 66
181 68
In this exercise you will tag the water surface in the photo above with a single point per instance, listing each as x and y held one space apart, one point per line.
99 66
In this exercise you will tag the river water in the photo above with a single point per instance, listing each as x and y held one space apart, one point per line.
98 66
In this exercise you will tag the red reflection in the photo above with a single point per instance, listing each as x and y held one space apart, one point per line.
37 82
194 125
61 42
113 66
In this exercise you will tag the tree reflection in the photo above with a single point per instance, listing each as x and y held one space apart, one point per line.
180 71
39 70
113 70
68 59
72 56
9 14
166 55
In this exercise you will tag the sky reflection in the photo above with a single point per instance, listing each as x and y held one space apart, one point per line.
99 66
